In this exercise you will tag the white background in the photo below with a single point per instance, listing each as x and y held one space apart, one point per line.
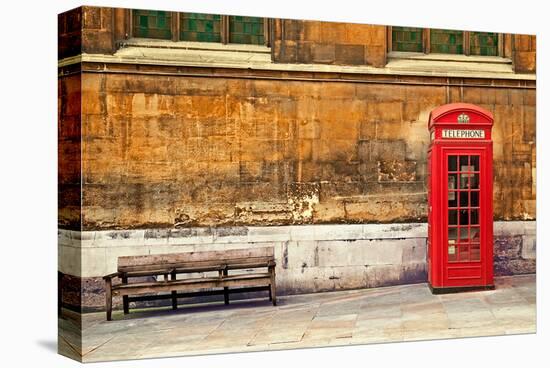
28 179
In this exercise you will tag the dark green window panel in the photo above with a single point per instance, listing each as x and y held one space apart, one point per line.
445 41
406 39
200 27
484 43
152 24
247 30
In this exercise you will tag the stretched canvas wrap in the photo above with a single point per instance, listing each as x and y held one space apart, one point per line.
230 183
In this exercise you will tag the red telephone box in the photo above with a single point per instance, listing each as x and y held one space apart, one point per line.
460 199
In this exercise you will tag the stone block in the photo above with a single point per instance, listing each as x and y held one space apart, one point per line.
367 130
529 247
349 54
383 275
415 251
375 55
349 232
328 151
350 277
401 171
303 232
299 255
303 52
312 30
387 150
413 273
323 53
167 249
268 233
384 252
333 32
395 231
309 129
357 34
230 234
112 254
509 228
306 280
69 260
117 238
385 112
194 235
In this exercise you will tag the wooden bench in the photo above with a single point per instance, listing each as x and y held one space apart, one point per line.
245 266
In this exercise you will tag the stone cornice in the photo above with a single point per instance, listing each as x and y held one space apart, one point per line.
260 61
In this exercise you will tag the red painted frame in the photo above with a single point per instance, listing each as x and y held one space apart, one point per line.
444 273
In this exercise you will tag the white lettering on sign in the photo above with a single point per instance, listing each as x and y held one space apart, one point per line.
463 133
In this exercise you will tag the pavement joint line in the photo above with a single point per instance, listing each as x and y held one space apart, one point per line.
97 347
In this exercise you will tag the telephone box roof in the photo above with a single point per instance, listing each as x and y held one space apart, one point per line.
447 114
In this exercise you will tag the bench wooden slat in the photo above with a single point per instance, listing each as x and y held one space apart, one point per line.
210 292
197 256
147 273
205 263
196 280
253 280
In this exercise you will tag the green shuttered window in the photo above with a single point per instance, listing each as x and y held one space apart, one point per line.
152 24
246 30
407 39
200 27
443 41
484 43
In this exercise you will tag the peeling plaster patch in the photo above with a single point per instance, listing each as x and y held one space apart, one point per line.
302 197
262 213
119 234
285 255
182 219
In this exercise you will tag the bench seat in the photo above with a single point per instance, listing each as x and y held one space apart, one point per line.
171 265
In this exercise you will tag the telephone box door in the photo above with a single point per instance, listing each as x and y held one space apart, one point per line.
466 254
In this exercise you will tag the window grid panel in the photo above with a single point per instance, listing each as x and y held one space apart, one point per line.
200 27
484 43
246 30
444 41
152 24
407 39
464 231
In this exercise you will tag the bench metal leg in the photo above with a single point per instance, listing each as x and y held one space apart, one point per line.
272 289
125 302
59 293
225 290
108 299
174 293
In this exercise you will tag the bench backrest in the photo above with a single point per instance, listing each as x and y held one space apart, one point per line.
232 256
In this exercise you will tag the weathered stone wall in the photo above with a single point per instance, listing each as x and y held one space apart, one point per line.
98 30
299 41
69 33
179 151
525 52
86 29
69 151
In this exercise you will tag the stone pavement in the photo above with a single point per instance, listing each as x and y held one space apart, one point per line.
390 314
